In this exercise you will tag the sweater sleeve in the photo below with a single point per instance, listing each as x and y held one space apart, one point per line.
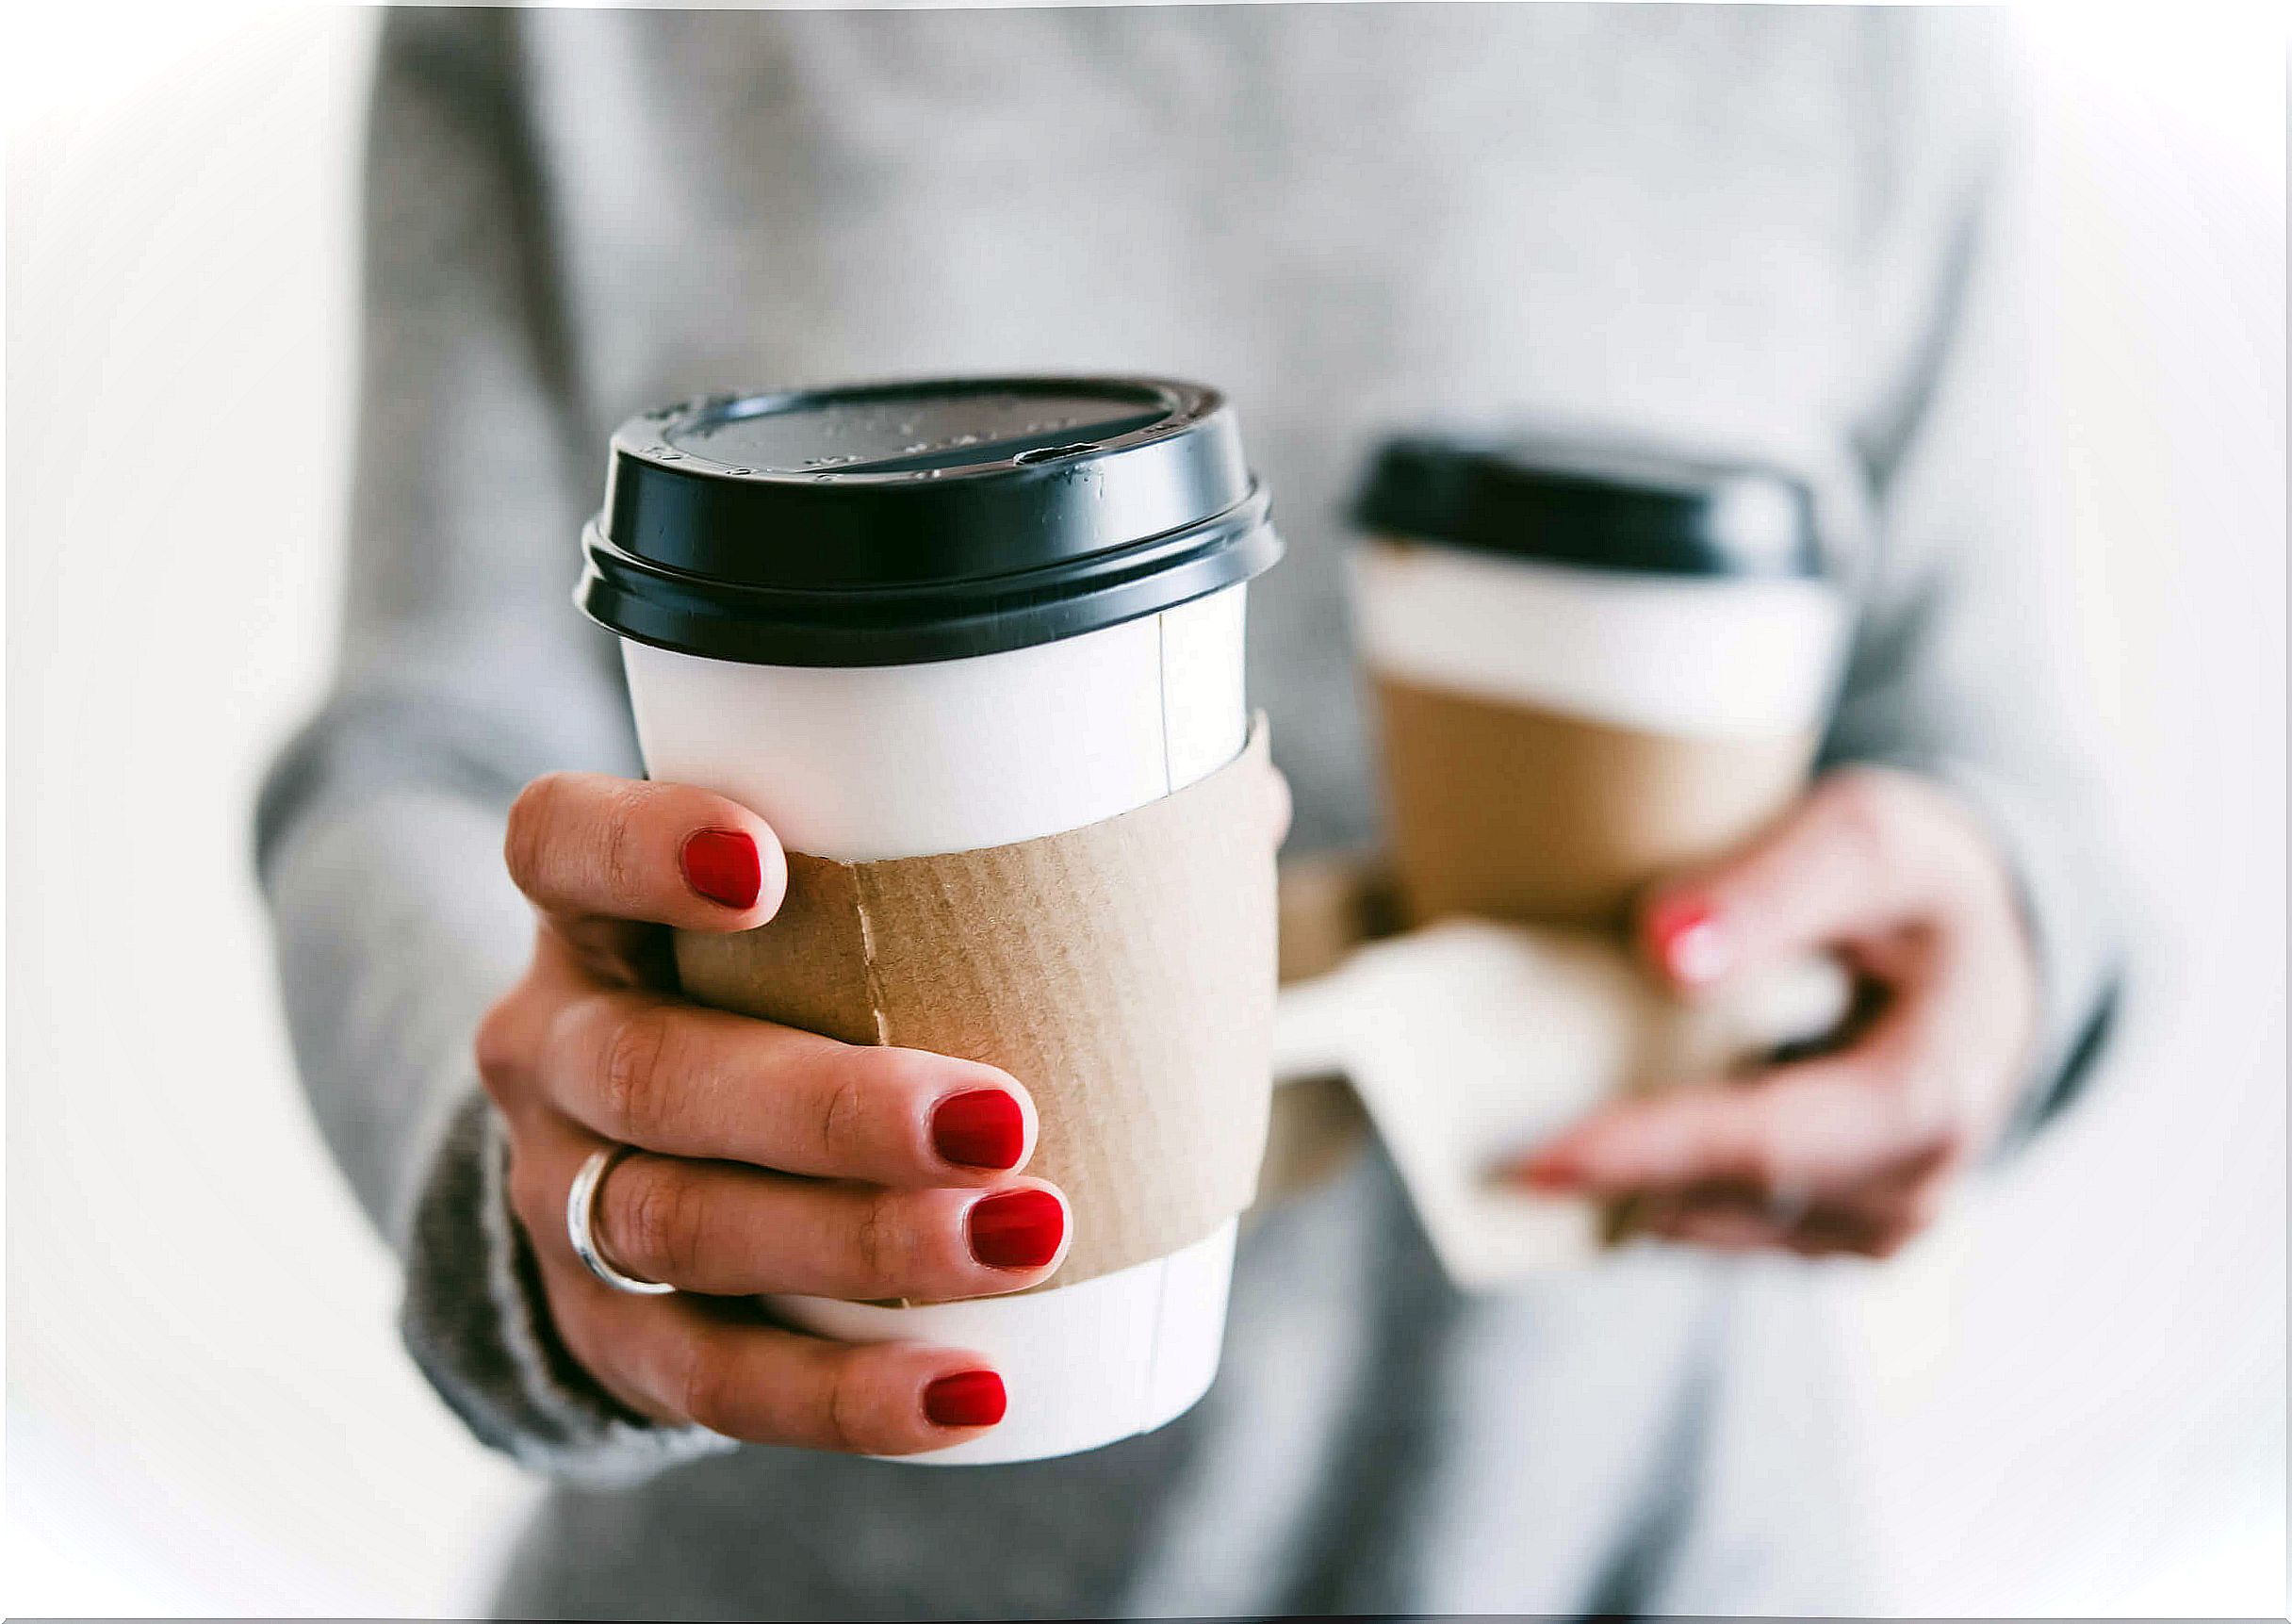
463 672
1962 667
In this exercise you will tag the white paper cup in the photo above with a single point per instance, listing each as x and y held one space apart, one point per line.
868 762
860 763
904 620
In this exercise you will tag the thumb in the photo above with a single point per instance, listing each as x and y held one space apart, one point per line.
1849 860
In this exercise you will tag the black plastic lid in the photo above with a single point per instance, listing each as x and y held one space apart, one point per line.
896 524
1593 506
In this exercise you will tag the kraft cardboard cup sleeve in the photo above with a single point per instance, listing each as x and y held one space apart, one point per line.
974 649
1592 662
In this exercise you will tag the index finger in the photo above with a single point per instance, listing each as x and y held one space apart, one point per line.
587 846
1814 1126
1862 851
686 1081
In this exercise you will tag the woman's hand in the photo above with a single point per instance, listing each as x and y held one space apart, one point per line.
1852 1150
767 1159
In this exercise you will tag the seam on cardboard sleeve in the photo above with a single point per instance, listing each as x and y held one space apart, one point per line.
1161 686
867 960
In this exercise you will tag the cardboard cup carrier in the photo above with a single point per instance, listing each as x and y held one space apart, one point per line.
974 649
1592 667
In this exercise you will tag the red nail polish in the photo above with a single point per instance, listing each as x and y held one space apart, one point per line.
967 1398
721 865
1689 939
1549 1172
979 1127
1018 1229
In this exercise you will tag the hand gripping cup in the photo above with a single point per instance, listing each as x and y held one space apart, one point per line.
1593 665
974 649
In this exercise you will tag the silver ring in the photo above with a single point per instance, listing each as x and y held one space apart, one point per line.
580 1224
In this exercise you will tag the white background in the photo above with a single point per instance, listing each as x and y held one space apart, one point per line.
2075 1389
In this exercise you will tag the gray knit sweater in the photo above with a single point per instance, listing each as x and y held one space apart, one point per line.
1762 229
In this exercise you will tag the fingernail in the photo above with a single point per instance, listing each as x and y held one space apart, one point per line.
1552 1173
966 1399
721 865
1690 940
1018 1229
979 1127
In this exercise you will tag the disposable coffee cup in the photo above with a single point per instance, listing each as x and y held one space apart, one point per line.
910 620
1593 665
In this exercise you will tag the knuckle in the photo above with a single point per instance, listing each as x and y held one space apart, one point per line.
844 1407
1862 812
532 816
707 1388
570 1317
659 1230
620 858
880 1245
499 1045
529 1196
843 1105
636 1072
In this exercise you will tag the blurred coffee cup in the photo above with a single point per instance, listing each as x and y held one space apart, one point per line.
1593 665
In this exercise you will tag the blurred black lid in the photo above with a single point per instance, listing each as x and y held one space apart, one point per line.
894 523
1590 506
